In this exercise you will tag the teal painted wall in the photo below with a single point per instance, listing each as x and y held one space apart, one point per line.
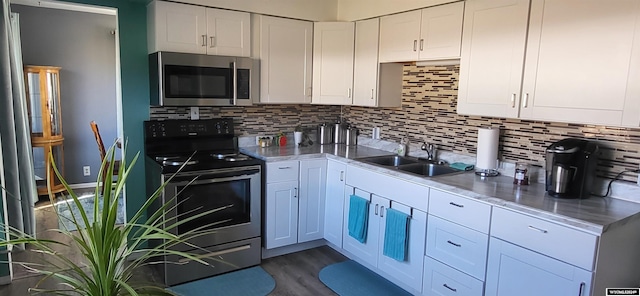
132 25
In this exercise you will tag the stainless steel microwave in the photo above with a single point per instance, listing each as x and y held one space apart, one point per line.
185 79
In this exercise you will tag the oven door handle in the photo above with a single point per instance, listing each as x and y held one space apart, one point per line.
213 177
213 254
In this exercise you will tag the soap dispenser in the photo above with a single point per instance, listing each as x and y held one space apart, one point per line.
402 147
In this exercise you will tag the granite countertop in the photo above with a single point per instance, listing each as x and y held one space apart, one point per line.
595 215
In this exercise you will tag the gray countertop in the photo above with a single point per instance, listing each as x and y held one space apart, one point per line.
595 215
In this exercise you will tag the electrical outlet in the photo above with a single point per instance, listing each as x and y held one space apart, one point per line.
86 170
259 137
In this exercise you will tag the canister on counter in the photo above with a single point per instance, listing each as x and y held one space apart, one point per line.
521 174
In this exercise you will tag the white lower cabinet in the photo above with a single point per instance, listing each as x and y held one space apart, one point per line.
442 280
457 246
334 204
408 272
513 270
295 202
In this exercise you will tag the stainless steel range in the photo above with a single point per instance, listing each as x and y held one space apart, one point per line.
224 179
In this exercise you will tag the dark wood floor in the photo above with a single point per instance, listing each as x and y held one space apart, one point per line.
295 274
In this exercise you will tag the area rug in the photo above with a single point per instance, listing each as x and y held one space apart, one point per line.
65 208
252 281
349 278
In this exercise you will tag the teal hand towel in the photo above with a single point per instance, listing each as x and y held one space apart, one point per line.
358 218
461 166
396 235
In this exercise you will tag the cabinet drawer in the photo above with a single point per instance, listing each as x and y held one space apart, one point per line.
404 192
554 240
282 171
457 246
464 211
440 279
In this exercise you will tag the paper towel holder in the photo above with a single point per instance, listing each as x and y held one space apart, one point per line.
487 173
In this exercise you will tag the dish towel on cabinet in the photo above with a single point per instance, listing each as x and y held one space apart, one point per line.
358 218
396 236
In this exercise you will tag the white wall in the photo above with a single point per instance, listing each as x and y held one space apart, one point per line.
313 10
351 10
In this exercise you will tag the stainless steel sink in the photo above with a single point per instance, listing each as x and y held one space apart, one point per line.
411 165
428 169
390 160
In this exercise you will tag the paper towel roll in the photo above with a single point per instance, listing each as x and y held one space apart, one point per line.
487 154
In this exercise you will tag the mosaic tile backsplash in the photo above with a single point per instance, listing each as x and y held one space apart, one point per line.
428 113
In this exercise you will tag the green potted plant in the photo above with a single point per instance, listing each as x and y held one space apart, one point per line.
112 252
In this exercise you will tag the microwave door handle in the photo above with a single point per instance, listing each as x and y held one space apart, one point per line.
234 68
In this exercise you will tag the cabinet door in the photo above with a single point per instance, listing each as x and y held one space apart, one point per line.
281 217
177 27
512 270
228 32
399 37
365 67
491 62
285 51
409 271
313 180
569 46
333 63
441 32
367 252
334 205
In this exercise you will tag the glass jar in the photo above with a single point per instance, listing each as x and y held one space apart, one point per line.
521 175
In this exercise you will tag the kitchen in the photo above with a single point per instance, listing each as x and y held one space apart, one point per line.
427 113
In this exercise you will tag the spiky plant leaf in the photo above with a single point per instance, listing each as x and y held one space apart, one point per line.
106 246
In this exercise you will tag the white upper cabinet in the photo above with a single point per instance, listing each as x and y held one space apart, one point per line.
333 46
228 33
579 58
492 58
365 67
428 34
195 29
581 63
284 47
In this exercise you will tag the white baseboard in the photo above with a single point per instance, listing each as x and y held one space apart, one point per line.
83 185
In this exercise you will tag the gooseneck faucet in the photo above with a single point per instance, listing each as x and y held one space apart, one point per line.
430 149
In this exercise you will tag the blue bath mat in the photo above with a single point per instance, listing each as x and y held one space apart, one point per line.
349 278
252 281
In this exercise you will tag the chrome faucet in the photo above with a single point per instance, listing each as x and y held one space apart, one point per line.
430 149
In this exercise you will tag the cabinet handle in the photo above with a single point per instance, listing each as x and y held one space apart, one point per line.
284 168
452 289
452 243
582 285
348 92
525 101
341 175
538 229
295 192
381 211
204 40
415 45
212 41
421 44
372 93
456 205
513 100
